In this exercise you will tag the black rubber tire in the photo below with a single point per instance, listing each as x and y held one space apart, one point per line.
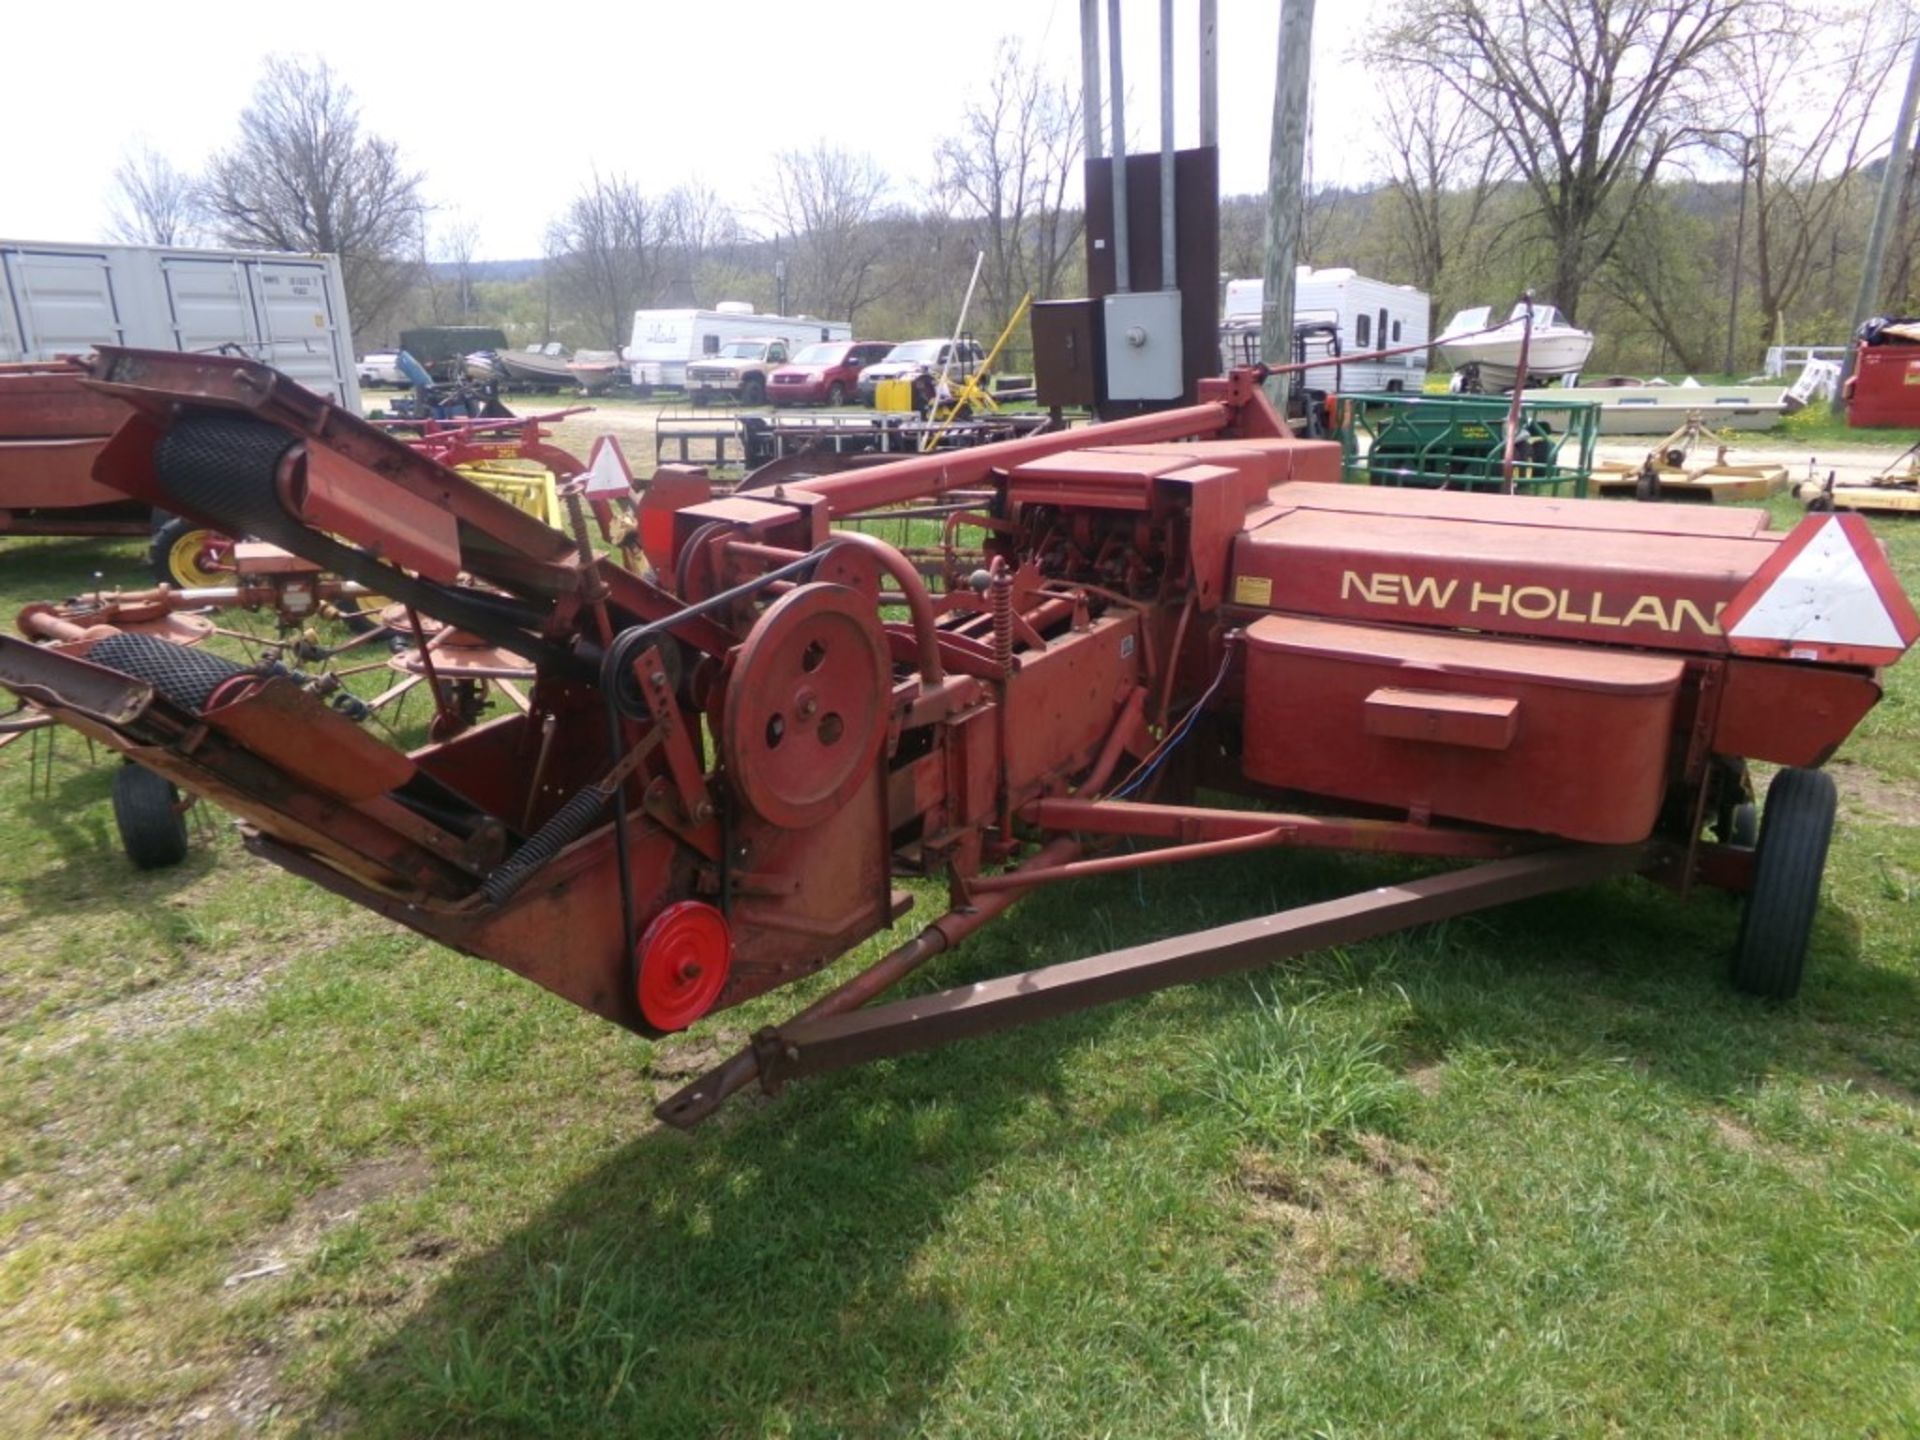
1743 827
836 395
146 811
1647 488
186 677
753 390
1770 954
160 550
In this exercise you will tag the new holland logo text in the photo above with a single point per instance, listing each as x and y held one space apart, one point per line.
1531 602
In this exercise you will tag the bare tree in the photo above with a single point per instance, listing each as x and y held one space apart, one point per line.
704 238
1662 271
1588 99
153 202
1807 83
1009 167
608 255
303 176
825 200
1443 166
459 246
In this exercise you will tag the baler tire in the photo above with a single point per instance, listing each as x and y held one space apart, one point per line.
186 677
146 812
1796 827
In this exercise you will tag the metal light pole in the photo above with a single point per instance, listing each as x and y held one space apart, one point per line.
1739 253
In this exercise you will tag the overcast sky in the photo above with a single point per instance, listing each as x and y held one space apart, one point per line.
507 109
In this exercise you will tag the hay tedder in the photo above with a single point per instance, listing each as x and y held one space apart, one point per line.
1172 639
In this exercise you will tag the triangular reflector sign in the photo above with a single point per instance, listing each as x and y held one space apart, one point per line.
1825 594
608 475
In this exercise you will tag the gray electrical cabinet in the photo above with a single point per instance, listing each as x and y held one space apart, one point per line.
1143 345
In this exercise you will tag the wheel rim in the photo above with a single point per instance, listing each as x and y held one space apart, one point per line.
194 560
370 607
683 959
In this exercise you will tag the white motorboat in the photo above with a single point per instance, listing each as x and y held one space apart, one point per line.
1555 349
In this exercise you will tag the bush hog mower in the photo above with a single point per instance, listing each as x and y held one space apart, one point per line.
719 775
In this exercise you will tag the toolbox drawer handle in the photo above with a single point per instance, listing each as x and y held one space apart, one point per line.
1442 717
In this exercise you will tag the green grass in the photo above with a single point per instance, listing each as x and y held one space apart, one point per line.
1533 1172
1822 423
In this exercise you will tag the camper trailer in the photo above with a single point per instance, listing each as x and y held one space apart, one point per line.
664 341
1370 314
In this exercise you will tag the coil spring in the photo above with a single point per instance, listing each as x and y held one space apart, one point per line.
566 825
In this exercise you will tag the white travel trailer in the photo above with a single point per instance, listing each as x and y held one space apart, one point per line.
664 341
289 311
1371 315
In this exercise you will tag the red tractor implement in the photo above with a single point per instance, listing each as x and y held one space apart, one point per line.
1157 611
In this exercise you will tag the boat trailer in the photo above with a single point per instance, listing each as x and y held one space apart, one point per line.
1179 637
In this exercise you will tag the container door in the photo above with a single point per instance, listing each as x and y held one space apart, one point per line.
300 334
208 306
11 350
63 304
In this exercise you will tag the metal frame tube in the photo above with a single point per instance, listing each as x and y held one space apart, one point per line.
1122 257
1169 270
1090 76
904 1026
1209 72
937 472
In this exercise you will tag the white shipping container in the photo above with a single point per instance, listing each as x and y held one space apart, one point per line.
1371 314
289 311
664 341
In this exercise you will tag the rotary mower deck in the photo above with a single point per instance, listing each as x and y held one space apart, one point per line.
714 784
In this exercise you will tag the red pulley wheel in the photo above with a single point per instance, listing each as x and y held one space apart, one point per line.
685 955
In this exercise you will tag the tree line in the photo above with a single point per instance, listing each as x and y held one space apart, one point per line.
1631 161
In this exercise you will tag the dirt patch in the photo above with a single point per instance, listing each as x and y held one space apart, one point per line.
1428 1078
687 1059
292 1241
1866 789
1355 1214
1735 1136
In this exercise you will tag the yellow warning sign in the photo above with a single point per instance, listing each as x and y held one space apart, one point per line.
1252 590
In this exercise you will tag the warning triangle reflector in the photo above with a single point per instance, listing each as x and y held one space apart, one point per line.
608 474
1826 594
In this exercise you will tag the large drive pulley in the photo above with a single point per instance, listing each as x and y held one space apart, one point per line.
806 705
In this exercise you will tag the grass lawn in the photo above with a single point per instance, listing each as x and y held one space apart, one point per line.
270 1164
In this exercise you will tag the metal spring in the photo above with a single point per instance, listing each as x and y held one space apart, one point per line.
1000 602
567 824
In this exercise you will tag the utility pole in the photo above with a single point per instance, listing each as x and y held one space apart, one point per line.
1739 250
1893 186
1286 163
